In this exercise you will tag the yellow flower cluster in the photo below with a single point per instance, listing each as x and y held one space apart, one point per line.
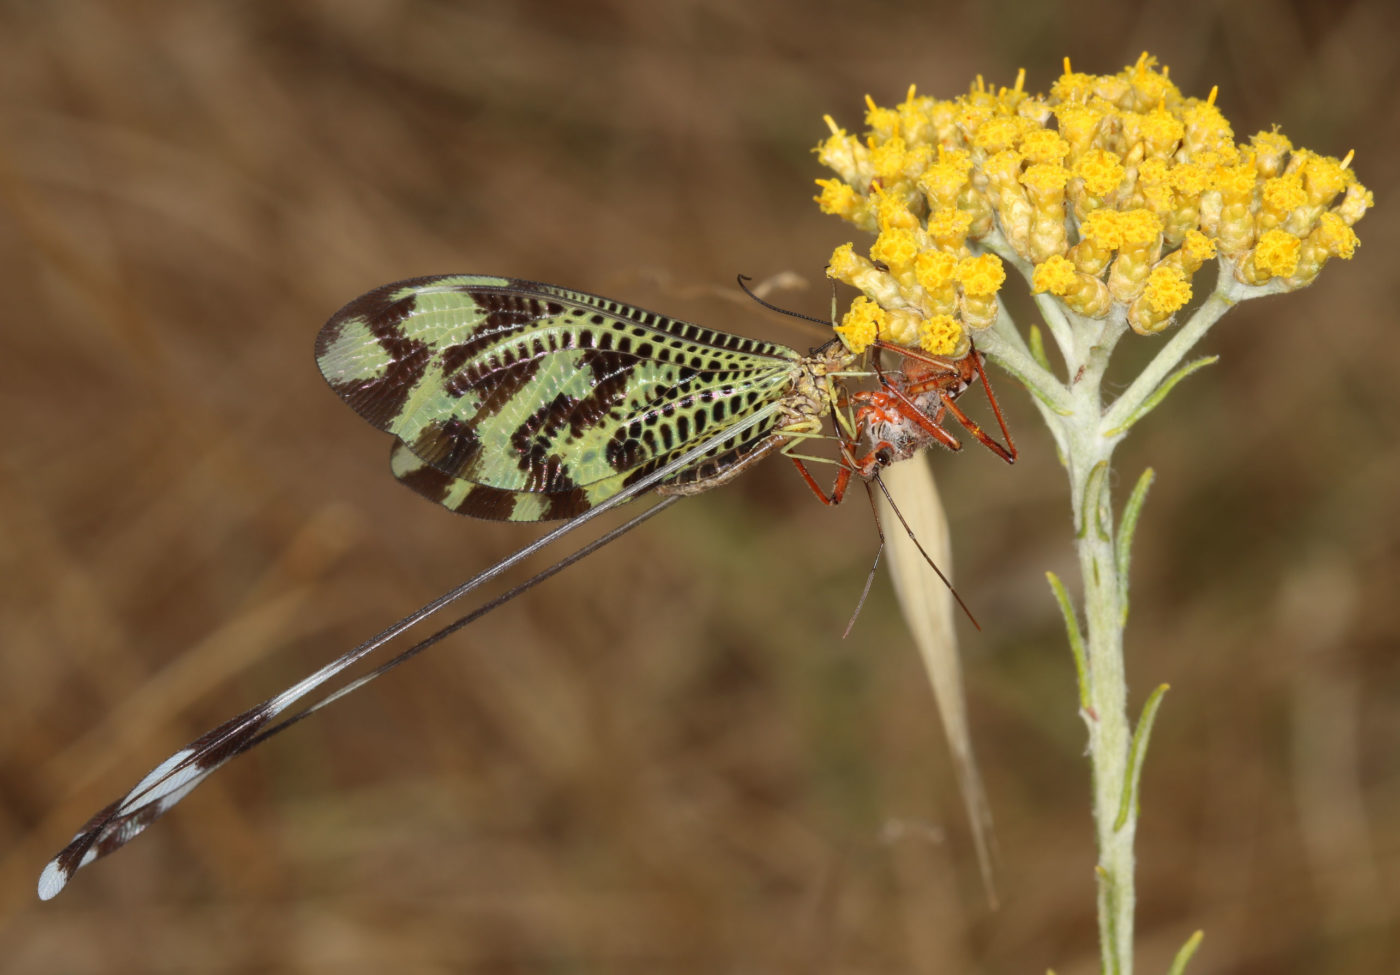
1113 189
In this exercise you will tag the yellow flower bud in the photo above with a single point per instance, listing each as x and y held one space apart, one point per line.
1324 178
1079 125
1269 150
978 311
845 154
1167 290
891 212
1332 238
844 264
901 327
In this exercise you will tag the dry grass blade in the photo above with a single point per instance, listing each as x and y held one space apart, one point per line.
929 609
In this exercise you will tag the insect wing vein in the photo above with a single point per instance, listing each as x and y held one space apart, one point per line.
524 401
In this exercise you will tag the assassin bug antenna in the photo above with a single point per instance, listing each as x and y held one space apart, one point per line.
870 577
927 558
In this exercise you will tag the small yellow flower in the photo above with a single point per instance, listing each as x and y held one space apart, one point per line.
1160 132
896 247
861 324
1275 256
1080 125
836 197
935 270
1279 197
888 159
882 122
940 335
1139 237
1324 177
1336 238
1071 87
944 180
1269 150
844 263
1084 293
1194 251
1166 292
981 276
1055 275
1044 146
1101 171
949 226
1332 238
1206 128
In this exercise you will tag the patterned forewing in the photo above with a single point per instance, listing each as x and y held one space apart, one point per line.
523 401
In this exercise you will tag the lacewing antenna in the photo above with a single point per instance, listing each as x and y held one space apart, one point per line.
170 781
744 280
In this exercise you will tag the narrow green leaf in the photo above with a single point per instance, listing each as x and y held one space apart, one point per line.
1160 393
1076 638
1038 348
1092 504
1126 527
1184 955
1137 753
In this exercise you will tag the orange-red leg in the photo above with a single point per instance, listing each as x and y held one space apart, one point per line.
838 488
941 382
904 407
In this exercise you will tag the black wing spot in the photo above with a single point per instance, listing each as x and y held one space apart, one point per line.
449 445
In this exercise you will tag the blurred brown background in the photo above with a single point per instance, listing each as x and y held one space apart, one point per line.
667 761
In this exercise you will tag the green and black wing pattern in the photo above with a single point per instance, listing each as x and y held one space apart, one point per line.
520 401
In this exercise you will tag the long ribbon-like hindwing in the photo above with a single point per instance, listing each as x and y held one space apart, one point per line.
173 779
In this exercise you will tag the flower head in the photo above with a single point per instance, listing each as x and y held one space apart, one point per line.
1113 190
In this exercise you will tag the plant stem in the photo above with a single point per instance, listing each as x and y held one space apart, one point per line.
1087 430
1088 457
1110 732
